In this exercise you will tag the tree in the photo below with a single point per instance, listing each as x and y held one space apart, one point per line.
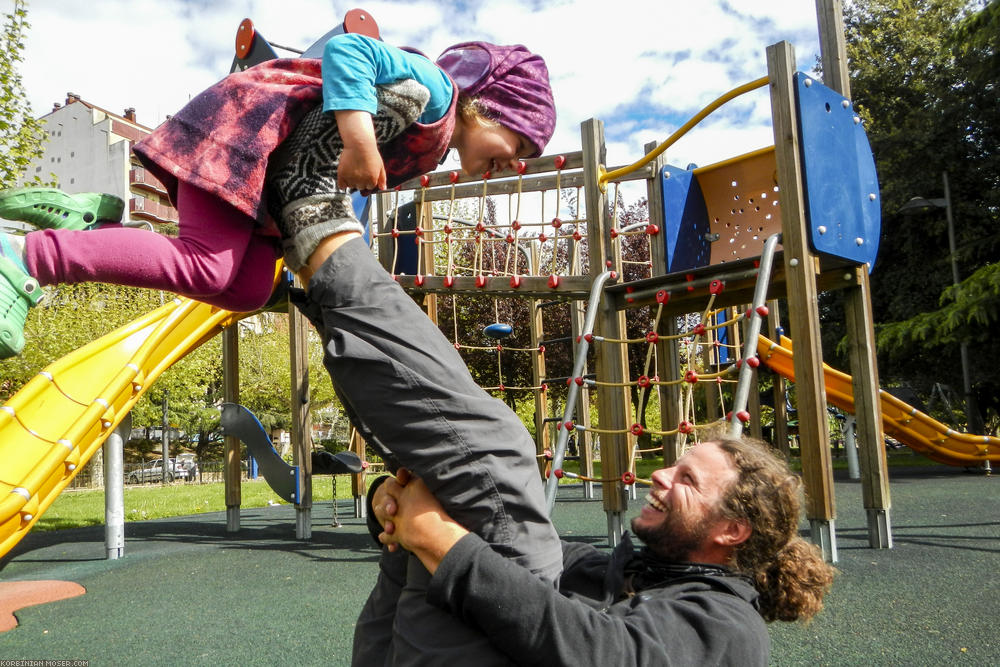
924 78
21 135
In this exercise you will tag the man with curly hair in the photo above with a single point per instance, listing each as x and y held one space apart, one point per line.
722 557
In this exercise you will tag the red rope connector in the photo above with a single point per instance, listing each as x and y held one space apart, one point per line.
449 281
716 287
637 429
480 281
685 427
652 230
557 223
453 177
553 281
522 166
643 381
394 233
699 329
652 337
743 416
662 296
418 280
691 377
515 281
559 161
753 362
425 180
542 238
628 478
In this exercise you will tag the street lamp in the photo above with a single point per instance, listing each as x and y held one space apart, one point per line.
915 205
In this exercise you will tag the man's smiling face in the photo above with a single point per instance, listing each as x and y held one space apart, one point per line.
681 510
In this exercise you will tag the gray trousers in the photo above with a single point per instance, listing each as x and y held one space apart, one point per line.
408 392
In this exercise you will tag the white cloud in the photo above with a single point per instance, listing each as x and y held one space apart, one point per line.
606 60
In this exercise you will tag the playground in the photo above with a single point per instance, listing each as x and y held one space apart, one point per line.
281 583
191 593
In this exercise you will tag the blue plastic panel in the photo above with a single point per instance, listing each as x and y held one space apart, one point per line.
685 220
406 249
843 207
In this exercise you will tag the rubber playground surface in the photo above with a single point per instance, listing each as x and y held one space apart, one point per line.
187 592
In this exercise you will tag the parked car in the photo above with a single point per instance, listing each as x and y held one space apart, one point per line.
153 472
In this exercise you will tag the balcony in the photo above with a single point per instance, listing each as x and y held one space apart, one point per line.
143 183
141 208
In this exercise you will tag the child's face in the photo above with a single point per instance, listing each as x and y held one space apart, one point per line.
491 148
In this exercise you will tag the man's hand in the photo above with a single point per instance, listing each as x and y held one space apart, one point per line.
361 164
414 519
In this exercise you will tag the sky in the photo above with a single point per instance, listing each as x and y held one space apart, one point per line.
643 67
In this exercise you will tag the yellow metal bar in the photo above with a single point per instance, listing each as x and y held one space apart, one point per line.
606 176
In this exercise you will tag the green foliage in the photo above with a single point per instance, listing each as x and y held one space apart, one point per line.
21 135
969 312
924 76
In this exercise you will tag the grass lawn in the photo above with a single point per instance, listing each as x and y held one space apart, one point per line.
74 509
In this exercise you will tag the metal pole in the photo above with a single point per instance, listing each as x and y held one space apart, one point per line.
753 330
972 410
114 490
552 483
851 448
166 438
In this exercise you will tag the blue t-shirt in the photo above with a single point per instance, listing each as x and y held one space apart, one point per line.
354 64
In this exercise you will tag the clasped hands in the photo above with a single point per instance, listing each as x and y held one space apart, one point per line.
412 518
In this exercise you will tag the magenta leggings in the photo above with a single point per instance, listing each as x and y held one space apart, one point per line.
220 257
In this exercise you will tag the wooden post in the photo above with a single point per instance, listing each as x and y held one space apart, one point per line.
231 471
537 331
780 387
800 269
382 224
613 403
358 480
667 351
298 334
860 324
425 220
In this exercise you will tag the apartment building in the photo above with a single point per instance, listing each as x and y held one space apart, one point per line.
89 149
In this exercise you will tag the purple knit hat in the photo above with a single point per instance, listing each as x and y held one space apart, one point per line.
511 82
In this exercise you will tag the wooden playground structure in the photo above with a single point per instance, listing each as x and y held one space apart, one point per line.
741 202
714 265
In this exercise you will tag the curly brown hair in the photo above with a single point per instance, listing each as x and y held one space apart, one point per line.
788 572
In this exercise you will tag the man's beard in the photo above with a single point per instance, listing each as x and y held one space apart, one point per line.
673 539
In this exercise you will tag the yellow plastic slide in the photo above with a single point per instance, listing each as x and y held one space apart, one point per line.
902 421
59 419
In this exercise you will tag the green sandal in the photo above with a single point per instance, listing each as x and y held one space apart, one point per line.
53 209
18 293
